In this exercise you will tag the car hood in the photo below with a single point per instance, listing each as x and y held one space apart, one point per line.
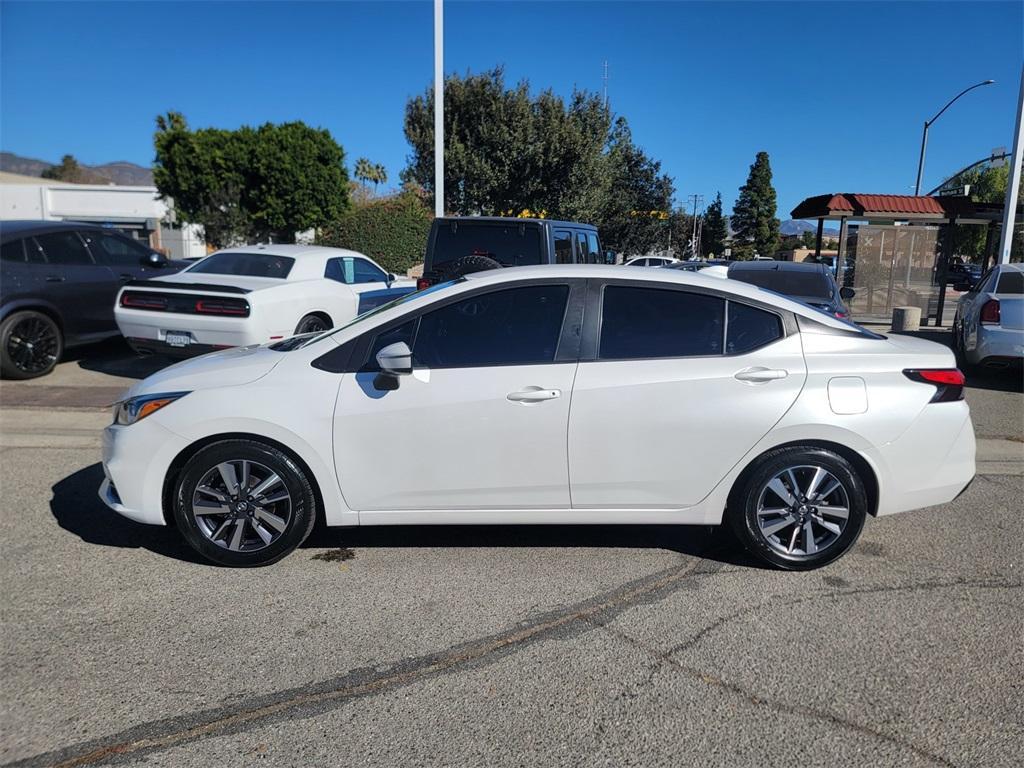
227 368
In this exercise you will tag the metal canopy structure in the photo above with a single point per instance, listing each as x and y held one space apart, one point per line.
914 211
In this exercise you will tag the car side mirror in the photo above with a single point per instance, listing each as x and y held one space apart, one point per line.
395 359
390 278
154 259
846 293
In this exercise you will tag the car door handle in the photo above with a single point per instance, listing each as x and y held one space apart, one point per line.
761 375
54 279
534 395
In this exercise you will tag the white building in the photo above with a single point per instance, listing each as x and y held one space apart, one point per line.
136 211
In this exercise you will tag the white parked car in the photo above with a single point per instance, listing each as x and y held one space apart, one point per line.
650 261
989 325
694 400
252 295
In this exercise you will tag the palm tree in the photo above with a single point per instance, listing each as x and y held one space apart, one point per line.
368 172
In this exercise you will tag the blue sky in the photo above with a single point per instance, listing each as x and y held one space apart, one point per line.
835 92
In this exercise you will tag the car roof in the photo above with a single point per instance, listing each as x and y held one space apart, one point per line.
310 260
653 276
514 220
777 266
22 227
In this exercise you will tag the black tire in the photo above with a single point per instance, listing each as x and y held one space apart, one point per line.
299 516
750 527
312 324
456 268
31 344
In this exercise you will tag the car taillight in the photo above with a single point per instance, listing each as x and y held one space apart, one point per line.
990 312
841 315
949 382
422 283
233 307
143 301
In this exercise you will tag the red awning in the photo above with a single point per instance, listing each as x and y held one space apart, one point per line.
855 204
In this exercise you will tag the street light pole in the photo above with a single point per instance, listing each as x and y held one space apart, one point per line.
438 108
927 125
1013 180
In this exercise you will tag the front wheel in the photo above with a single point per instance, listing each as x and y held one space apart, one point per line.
799 508
244 503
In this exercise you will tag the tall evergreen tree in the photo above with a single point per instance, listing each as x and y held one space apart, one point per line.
715 230
753 216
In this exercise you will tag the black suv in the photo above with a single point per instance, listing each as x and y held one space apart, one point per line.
458 245
58 282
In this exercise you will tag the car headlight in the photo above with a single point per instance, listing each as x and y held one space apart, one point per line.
137 408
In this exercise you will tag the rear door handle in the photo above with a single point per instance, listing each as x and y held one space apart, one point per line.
54 279
760 375
534 395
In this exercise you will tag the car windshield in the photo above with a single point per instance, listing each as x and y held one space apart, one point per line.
245 265
304 340
513 245
786 282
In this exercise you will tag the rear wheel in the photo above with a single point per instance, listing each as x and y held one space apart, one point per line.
456 268
799 508
30 345
244 503
312 324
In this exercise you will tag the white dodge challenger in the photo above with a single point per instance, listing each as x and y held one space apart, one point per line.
252 295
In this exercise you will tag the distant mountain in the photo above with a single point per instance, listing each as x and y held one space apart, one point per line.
119 172
793 227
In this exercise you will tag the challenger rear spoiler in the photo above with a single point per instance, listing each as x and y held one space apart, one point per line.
168 286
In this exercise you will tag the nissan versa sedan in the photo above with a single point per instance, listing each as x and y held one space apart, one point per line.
554 394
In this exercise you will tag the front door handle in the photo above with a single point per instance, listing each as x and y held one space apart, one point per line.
760 375
54 279
534 395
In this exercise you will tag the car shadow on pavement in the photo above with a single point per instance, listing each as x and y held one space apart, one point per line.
115 358
706 542
77 509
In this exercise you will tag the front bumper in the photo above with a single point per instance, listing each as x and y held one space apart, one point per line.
136 460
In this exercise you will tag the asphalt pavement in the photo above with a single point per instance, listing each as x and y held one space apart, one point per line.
494 646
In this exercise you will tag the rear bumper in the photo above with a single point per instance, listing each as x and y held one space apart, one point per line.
156 347
997 345
144 329
925 466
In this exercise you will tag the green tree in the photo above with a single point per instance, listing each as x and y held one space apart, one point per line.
392 230
269 182
370 173
753 216
71 171
715 230
506 151
988 185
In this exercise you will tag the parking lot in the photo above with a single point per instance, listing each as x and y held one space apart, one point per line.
499 646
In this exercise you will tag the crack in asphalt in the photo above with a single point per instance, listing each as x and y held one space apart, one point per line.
315 698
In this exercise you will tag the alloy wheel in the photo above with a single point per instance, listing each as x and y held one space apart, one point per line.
33 345
802 510
242 505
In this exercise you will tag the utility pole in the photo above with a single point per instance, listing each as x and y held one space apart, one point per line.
1013 181
438 108
697 199
604 77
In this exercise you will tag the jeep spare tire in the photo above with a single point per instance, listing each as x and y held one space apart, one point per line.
456 268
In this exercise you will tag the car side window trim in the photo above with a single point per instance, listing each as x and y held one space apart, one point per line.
594 314
353 355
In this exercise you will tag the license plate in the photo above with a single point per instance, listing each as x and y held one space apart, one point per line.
178 338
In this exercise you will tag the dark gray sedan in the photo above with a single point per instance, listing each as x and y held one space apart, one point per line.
812 284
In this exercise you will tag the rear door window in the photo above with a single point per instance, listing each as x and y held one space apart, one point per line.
750 328
64 248
13 251
563 246
1011 283
654 322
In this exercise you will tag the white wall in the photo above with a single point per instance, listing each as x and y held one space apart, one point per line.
55 201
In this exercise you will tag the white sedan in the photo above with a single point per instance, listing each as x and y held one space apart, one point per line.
693 400
252 295
988 328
